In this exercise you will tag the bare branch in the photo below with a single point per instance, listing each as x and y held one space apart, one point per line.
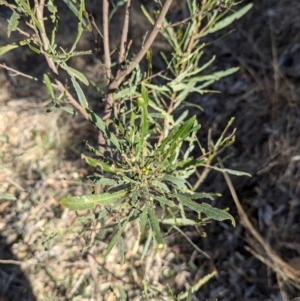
106 39
156 29
16 72
40 17
124 33
10 261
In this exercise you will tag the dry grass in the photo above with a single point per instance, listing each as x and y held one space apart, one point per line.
258 260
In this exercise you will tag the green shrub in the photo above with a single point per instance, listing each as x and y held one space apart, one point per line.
145 156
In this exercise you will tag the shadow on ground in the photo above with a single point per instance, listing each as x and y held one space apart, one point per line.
14 285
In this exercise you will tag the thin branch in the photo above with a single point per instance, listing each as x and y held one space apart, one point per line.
285 270
124 33
40 17
107 62
58 86
10 261
16 72
107 59
156 29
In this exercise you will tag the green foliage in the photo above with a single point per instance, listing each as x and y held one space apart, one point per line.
146 175
148 161
148 172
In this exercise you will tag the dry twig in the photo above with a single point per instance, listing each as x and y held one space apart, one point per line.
282 269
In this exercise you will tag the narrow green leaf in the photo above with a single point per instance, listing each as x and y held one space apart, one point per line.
75 10
190 294
49 86
7 48
211 212
80 93
179 182
228 20
34 49
121 250
198 195
176 134
75 73
30 12
123 294
88 201
145 124
179 222
165 114
229 171
13 23
190 163
102 181
106 167
69 110
147 245
115 238
155 228
8 196
100 124
79 33
188 202
143 219
164 201
145 94
125 93
216 213
93 150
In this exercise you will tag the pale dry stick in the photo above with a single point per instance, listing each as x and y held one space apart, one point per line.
156 29
40 16
283 292
107 62
105 11
10 261
78 283
195 287
11 181
285 271
16 72
124 34
94 274
275 264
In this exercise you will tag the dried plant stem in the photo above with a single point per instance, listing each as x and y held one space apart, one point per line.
105 9
45 42
156 29
124 34
283 270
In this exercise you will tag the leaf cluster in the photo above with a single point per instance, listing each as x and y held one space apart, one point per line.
146 167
